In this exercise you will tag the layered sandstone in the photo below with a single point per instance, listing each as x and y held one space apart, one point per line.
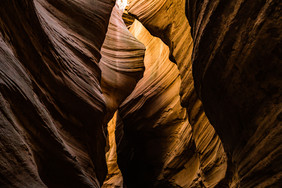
52 107
122 65
237 72
114 178
156 147
122 62
66 66
167 20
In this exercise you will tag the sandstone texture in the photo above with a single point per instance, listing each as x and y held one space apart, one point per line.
237 72
114 178
122 65
122 62
52 107
140 93
167 20
153 151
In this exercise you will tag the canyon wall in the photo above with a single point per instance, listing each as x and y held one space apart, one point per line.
50 87
167 20
195 106
237 72
122 65
157 148
57 96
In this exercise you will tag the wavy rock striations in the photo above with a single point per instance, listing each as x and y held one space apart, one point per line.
114 177
122 65
237 72
66 66
167 20
52 107
157 147
122 62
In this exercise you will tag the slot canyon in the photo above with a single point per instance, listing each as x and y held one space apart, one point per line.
140 94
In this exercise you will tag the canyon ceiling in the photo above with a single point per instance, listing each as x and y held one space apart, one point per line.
166 93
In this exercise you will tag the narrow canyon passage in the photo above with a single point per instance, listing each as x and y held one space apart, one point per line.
154 122
140 93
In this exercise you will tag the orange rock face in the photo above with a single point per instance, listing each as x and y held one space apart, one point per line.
195 106
122 62
152 151
122 65
114 177
171 25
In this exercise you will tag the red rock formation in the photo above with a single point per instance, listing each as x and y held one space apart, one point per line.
114 177
157 147
122 65
52 106
237 72
59 87
122 62
167 20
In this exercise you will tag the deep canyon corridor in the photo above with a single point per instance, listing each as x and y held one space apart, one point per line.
140 94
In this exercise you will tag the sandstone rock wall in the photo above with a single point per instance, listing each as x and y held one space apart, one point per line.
157 148
206 112
167 20
122 65
50 87
237 72
122 62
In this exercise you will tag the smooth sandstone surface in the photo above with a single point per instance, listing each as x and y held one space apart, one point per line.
156 148
195 106
52 107
122 62
167 20
237 72
122 65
